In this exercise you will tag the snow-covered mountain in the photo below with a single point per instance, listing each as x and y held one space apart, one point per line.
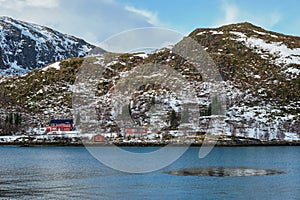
260 73
25 46
263 67
252 46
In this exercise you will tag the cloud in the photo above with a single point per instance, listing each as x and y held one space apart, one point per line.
275 18
19 4
93 20
150 17
96 21
44 3
150 38
232 13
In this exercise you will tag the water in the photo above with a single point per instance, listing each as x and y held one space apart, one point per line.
72 173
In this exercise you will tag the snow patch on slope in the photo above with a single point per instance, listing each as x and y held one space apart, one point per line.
25 46
212 32
284 55
293 71
55 65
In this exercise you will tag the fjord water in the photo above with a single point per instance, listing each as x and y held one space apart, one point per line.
72 173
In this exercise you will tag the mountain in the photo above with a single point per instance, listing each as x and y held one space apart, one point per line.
255 60
260 84
25 46
264 67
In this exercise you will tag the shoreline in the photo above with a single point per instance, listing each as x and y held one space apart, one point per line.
154 144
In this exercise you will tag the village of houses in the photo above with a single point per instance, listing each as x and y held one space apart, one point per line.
63 132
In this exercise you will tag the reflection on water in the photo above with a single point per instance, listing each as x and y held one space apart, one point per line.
224 171
72 173
50 172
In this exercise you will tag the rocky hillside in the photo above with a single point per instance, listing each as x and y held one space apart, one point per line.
265 67
39 95
261 85
25 46
248 54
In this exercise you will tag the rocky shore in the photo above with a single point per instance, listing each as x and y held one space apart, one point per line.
219 143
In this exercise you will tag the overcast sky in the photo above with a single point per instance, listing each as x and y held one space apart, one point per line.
96 20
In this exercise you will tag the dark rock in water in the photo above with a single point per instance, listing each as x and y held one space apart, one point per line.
224 172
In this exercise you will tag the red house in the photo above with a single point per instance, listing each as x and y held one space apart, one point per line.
60 125
98 138
135 131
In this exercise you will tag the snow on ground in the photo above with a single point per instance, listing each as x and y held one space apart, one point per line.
291 136
287 55
54 65
9 138
293 71
260 33
263 33
239 34
44 39
201 33
216 32
212 32
284 55
142 55
14 69
257 76
259 122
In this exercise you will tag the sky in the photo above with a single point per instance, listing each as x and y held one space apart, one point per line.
97 20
